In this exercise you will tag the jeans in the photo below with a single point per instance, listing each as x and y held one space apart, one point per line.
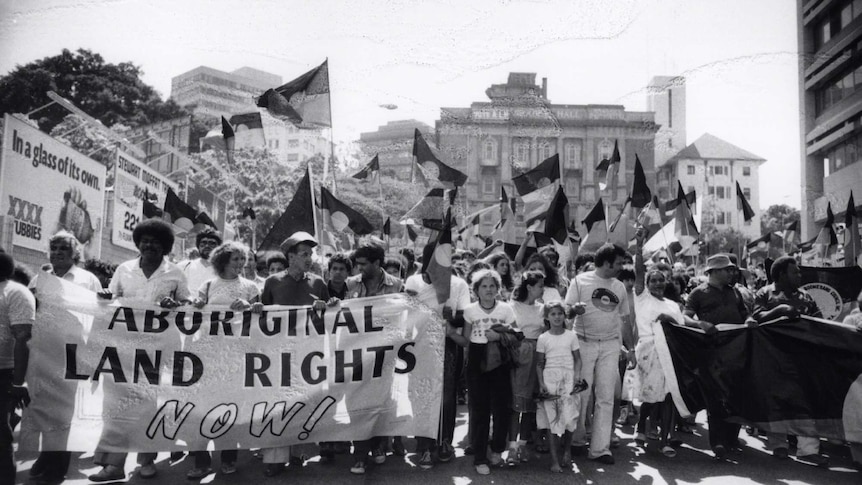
490 395
599 366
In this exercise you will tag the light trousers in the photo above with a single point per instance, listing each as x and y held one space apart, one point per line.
599 366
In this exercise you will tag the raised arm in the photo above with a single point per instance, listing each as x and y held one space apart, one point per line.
640 267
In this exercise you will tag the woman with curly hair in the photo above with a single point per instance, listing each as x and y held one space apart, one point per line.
537 262
228 288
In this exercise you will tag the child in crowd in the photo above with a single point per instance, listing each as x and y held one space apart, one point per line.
558 365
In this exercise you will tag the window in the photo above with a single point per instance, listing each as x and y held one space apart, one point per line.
691 169
546 148
573 188
292 157
722 217
489 180
746 171
670 108
711 190
747 193
292 143
521 150
489 150
573 154
846 15
606 148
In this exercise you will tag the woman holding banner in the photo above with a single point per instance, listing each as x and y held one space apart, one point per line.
227 289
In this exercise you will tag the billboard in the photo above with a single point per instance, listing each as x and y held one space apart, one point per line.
132 180
46 186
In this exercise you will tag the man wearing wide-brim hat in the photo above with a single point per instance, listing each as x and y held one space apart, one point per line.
711 303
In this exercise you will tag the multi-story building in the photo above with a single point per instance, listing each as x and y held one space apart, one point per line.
519 127
712 167
208 91
830 104
393 143
291 144
666 98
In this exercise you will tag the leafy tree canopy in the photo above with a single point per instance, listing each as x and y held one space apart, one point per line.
111 93
777 217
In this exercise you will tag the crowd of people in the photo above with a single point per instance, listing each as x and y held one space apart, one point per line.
552 357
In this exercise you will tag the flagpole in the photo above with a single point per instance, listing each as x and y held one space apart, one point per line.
331 141
313 204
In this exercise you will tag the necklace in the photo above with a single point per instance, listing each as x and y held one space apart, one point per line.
488 308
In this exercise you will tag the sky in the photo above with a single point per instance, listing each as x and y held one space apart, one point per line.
739 57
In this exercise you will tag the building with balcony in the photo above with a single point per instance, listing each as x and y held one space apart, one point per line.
519 127
211 92
393 143
830 104
712 167
293 145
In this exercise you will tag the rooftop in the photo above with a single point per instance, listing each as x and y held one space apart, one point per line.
710 147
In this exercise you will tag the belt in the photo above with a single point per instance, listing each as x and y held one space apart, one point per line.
581 338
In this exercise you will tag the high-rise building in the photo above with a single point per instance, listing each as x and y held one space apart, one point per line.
712 167
666 98
492 141
393 143
830 104
205 90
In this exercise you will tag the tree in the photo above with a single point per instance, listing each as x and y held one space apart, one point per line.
111 93
777 217
723 240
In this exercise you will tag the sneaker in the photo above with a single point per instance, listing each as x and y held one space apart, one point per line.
781 453
814 459
720 452
198 473
425 462
496 459
446 452
148 470
378 456
358 468
604 459
512 457
228 468
483 469
108 473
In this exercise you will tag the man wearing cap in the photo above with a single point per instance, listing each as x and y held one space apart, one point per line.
717 301
784 298
294 286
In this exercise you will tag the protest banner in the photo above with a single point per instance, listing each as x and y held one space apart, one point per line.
46 186
132 182
800 377
114 377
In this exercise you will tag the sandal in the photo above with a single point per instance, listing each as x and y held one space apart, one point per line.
668 451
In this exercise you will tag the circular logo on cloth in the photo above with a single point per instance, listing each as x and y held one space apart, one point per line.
605 300
827 298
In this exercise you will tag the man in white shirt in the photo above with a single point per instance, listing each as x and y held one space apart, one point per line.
149 279
199 270
64 252
600 302
17 315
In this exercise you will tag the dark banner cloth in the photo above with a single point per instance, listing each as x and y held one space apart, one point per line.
801 377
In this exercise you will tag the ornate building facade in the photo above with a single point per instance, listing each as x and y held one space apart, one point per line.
492 141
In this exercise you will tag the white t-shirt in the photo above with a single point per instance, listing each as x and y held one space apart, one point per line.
529 318
130 283
558 349
219 291
17 307
607 303
459 293
482 320
197 272
648 308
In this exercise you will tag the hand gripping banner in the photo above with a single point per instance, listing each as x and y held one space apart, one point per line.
123 377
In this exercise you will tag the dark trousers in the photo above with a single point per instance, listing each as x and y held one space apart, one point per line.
203 459
453 362
7 460
52 464
362 448
721 432
490 396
